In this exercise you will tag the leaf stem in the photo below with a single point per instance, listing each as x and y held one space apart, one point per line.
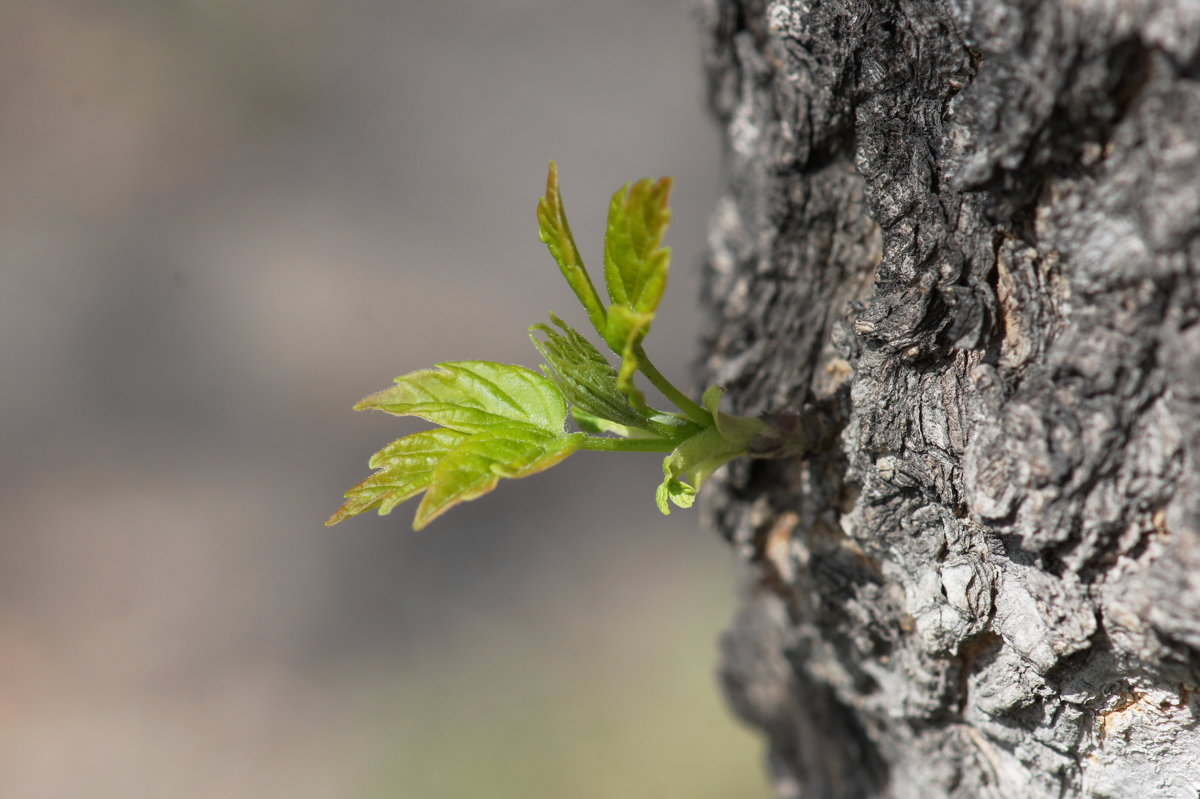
600 444
690 409
676 434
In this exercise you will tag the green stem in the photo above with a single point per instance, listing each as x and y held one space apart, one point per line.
627 444
676 434
690 409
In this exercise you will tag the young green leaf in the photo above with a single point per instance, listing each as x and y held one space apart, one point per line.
635 262
585 377
555 233
635 272
499 421
473 396
475 466
405 469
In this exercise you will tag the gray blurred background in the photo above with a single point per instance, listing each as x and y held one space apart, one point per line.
221 223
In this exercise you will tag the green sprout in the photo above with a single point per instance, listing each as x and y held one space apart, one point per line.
501 420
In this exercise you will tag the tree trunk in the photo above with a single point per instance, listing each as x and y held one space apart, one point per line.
970 230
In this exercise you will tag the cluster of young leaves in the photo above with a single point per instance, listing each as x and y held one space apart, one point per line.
505 421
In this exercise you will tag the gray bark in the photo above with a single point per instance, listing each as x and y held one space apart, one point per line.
970 230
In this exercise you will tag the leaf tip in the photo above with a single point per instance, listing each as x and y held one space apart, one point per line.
369 402
550 198
662 190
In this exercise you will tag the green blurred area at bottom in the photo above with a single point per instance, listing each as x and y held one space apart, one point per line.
643 719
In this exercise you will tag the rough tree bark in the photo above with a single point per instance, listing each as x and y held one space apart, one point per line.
972 229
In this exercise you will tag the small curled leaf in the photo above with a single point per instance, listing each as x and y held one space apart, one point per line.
555 233
691 464
585 377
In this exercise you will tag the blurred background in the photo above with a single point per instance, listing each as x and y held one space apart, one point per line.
221 223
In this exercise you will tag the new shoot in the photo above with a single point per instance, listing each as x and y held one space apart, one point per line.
498 420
